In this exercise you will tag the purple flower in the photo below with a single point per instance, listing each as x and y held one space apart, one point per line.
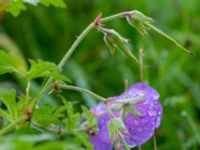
140 128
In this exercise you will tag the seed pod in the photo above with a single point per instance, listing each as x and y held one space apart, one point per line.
139 21
114 40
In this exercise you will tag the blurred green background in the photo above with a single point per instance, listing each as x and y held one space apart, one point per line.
47 32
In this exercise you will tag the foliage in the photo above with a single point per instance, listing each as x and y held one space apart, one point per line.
16 6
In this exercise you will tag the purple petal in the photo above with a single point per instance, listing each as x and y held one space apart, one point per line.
99 144
140 128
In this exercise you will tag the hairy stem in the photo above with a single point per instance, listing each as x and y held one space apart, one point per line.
71 50
70 87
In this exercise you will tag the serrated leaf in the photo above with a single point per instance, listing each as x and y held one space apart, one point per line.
9 64
46 115
45 69
72 118
9 99
57 3
83 137
89 116
15 7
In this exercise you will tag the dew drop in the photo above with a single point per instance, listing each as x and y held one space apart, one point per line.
151 113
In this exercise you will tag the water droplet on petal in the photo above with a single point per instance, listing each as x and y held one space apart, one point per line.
151 112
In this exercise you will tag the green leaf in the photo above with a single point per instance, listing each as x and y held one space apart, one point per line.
9 64
45 69
72 118
89 116
15 7
57 3
9 99
84 138
47 115
116 125
4 114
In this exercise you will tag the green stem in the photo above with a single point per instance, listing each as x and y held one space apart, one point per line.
70 52
67 55
28 89
75 45
70 87
154 141
141 65
114 17
12 125
57 130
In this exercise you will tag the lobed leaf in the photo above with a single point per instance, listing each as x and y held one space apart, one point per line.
41 69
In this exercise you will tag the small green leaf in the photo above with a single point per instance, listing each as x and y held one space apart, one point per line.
5 115
89 116
57 3
47 115
15 7
9 64
72 118
83 137
45 69
9 99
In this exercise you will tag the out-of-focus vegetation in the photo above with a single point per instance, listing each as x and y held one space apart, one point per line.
47 32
